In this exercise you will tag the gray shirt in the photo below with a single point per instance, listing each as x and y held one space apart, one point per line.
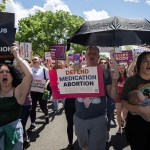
97 106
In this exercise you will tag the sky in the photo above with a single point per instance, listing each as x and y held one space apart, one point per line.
88 9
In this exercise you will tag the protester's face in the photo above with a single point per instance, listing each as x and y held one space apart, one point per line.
145 65
5 76
92 56
104 64
121 69
36 62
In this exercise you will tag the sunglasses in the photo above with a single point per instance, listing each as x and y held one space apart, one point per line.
103 62
34 59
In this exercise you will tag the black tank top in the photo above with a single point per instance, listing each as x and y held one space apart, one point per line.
10 110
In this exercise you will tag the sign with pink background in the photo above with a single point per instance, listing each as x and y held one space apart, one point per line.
69 83
124 56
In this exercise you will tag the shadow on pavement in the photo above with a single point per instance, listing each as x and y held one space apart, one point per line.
75 146
35 134
118 142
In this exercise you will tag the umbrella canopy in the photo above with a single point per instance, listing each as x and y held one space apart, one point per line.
113 32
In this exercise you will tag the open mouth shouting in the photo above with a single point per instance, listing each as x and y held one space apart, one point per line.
5 80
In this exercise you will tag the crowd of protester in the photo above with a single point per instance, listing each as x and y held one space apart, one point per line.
91 116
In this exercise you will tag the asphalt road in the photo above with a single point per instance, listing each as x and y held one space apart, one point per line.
53 136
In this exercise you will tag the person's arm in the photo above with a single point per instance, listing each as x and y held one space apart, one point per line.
22 89
131 66
46 85
113 88
145 110
112 53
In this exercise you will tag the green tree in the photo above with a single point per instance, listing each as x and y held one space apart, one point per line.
103 56
3 5
47 28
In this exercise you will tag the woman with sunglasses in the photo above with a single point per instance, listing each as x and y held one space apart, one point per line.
40 79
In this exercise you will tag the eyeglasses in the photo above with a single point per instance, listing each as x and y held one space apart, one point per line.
6 71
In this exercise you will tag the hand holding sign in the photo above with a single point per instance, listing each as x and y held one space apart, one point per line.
15 51
77 66
69 83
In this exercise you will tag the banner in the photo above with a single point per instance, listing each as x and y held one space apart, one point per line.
7 36
58 52
69 83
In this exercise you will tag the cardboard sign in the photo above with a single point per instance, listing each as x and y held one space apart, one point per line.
7 36
38 85
68 83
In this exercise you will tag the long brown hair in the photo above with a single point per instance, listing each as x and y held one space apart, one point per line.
120 79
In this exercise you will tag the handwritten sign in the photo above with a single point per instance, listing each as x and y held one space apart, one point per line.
38 85
69 83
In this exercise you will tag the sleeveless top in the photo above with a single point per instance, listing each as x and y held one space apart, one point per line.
10 110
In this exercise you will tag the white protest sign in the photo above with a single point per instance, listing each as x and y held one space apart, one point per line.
27 51
38 85
21 49
81 81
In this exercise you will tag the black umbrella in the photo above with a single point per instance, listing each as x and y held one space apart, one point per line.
113 32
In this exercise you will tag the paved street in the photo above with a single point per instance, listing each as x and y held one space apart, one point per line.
53 136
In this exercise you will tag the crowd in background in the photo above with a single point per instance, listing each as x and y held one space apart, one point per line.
91 114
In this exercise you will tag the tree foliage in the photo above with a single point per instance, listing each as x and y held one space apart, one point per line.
47 28
3 5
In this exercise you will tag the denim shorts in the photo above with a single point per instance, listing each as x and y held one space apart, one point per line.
18 127
91 133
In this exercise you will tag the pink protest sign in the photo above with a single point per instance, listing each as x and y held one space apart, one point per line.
69 83
124 56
